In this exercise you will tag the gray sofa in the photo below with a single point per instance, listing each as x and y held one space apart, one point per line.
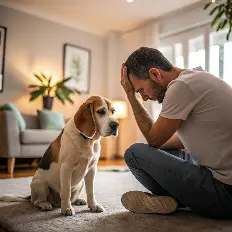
30 143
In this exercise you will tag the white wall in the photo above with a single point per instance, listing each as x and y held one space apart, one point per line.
183 19
36 45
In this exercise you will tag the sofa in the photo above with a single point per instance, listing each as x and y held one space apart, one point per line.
29 143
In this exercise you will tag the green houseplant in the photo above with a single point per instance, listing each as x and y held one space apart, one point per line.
222 11
49 91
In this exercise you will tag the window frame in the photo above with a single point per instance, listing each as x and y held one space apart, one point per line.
184 38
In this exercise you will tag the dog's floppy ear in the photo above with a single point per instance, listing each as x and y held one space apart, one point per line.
84 120
109 104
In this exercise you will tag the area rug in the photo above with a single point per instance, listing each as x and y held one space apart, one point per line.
23 217
113 168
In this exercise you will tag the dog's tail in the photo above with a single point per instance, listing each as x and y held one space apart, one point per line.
13 198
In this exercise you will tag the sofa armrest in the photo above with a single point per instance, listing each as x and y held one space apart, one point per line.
9 135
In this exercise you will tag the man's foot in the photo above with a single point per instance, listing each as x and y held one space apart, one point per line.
140 202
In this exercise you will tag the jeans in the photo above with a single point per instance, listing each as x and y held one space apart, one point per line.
172 173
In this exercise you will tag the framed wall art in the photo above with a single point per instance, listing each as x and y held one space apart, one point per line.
76 64
3 31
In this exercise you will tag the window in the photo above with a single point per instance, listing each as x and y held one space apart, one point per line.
214 60
167 52
200 47
220 56
178 54
227 74
174 54
196 52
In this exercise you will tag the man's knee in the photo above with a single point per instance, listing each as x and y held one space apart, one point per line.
134 150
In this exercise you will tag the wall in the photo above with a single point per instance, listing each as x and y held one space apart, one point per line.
36 45
184 19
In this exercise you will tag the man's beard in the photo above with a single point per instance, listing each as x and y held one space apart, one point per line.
158 92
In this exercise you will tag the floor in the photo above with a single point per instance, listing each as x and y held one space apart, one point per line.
26 170
109 187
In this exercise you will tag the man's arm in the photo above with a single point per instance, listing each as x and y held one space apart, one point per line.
142 117
159 134
173 143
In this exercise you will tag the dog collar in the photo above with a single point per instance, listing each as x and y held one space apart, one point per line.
85 138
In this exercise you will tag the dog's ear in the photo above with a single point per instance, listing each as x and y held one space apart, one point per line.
84 120
109 104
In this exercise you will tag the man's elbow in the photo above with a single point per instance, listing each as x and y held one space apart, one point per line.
154 143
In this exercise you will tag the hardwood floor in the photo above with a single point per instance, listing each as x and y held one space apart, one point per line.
25 171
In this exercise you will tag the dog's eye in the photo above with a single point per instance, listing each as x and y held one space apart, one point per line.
113 111
101 111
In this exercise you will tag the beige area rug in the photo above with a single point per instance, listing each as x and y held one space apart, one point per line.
23 217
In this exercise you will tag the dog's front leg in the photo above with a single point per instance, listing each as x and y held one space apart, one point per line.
89 185
65 193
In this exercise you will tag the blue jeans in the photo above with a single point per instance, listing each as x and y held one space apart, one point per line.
172 173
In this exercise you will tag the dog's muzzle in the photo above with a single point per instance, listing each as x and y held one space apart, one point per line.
114 128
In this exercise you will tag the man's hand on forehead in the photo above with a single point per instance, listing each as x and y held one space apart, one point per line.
125 82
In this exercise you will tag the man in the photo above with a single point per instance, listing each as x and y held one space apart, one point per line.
196 116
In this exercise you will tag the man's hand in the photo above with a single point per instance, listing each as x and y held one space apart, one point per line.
125 82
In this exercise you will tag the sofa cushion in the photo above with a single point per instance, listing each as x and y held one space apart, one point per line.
38 136
33 151
12 107
50 120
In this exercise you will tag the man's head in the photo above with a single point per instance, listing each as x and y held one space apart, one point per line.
146 69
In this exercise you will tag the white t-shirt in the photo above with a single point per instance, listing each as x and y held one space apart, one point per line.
204 103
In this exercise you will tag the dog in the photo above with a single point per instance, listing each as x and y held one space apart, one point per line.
71 160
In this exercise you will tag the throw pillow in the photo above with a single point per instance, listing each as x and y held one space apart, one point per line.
12 107
50 120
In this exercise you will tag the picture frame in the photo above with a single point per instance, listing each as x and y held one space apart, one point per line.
3 33
77 64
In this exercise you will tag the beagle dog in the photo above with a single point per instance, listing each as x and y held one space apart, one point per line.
71 160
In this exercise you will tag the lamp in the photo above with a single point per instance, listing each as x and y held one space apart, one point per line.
121 112
120 109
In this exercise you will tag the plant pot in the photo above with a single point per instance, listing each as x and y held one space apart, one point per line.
47 102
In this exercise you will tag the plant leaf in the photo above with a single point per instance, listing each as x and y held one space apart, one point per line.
77 91
207 5
62 82
228 34
49 81
60 97
66 79
214 9
216 18
34 86
35 94
66 89
44 76
70 100
224 23
219 26
38 77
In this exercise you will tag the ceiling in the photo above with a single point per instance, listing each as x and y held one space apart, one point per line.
98 16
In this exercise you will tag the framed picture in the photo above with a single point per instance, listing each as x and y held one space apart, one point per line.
2 55
76 64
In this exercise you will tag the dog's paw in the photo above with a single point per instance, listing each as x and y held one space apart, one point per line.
96 208
80 202
45 206
68 211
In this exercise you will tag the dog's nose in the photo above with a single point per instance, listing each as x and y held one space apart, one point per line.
114 125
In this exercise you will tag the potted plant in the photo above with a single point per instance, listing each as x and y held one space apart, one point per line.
222 12
49 91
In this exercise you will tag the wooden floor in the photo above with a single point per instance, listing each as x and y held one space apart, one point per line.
22 171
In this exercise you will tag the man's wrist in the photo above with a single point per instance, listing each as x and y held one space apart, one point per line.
130 95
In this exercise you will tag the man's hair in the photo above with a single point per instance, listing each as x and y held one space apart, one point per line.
143 59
